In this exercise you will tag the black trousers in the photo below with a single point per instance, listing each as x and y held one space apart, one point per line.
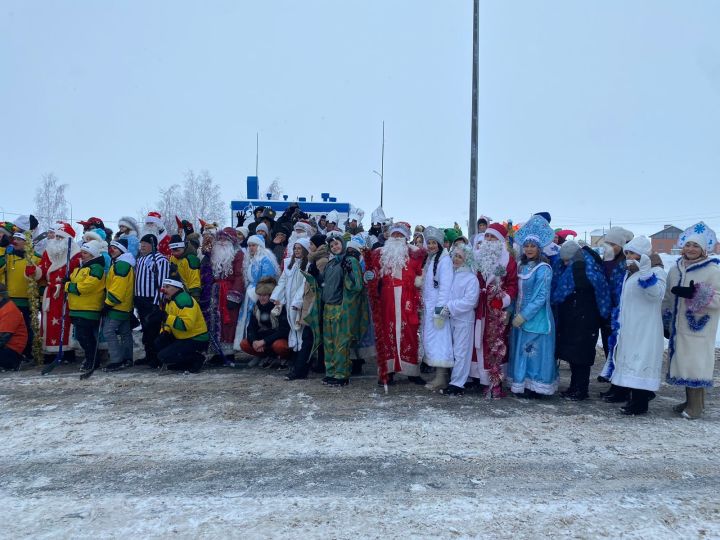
9 359
183 354
151 325
27 352
86 331
580 377
301 359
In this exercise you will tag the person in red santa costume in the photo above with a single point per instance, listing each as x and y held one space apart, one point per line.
154 225
52 269
497 272
395 300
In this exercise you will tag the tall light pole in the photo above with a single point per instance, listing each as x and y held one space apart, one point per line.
381 174
472 215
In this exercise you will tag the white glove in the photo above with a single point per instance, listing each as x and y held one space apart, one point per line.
518 321
445 312
276 310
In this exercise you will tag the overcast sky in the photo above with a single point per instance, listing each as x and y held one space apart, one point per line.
592 110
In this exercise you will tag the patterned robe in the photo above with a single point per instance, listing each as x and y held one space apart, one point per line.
395 301
52 304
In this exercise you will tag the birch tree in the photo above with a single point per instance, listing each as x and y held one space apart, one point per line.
50 202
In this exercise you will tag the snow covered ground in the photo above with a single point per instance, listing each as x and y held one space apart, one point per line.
240 453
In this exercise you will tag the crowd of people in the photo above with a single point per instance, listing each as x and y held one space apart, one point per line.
488 313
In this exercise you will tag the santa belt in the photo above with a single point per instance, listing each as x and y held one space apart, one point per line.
397 282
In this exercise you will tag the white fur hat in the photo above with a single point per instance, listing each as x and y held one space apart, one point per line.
257 240
130 223
401 227
243 230
93 247
618 236
640 245
304 242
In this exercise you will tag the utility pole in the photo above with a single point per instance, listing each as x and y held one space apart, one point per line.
381 174
257 152
472 215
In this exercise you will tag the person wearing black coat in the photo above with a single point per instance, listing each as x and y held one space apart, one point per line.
581 300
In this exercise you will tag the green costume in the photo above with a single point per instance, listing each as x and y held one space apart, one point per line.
344 320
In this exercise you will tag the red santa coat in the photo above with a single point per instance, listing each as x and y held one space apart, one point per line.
490 312
52 303
234 283
399 357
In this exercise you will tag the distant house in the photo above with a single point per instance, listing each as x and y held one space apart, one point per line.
596 237
665 241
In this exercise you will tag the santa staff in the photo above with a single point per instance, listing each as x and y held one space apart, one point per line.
54 269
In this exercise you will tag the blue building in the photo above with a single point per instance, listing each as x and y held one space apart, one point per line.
316 209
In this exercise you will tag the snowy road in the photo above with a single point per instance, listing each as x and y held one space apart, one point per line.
242 453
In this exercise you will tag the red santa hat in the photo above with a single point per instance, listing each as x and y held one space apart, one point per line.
154 217
402 227
497 230
64 230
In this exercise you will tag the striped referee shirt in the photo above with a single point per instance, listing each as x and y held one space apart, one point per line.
150 272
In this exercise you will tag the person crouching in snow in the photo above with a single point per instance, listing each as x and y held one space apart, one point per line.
636 361
464 294
691 309
183 339
533 369
582 298
268 329
437 281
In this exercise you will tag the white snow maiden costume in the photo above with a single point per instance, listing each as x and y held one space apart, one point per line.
637 359
692 322
437 281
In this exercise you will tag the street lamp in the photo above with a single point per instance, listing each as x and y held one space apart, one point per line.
380 175
472 215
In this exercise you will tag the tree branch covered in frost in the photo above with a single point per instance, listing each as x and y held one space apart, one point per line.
198 197
50 203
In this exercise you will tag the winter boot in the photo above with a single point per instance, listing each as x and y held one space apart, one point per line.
357 366
616 394
442 375
452 390
694 409
417 380
115 366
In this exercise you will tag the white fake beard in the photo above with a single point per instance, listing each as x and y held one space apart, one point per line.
394 257
222 257
57 250
154 229
488 257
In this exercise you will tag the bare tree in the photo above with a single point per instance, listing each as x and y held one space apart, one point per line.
197 198
201 198
50 202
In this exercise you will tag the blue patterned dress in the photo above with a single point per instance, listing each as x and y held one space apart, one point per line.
532 346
